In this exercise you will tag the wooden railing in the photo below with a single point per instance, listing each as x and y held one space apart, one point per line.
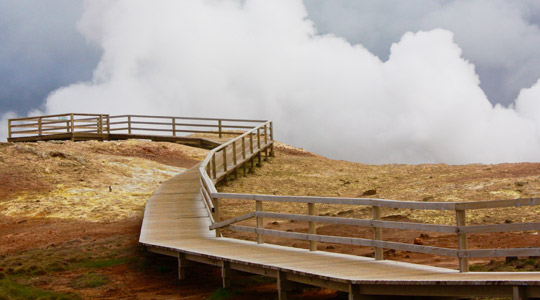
126 124
58 124
226 159
461 229
175 126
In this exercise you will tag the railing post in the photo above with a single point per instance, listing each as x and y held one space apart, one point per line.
9 129
462 240
234 152
259 147
72 128
100 125
220 130
40 127
260 225
224 159
129 124
377 233
312 228
251 143
243 147
272 154
108 124
265 142
251 151
235 161
265 135
174 126
217 215
258 138
214 169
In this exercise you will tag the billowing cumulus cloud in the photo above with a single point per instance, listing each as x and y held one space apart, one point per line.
501 37
264 59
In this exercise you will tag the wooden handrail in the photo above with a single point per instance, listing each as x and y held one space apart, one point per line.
461 229
75 123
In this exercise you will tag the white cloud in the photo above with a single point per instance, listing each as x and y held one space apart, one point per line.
235 59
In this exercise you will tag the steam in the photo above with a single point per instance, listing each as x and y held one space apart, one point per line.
264 59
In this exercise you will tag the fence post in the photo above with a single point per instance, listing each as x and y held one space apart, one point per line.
40 127
243 147
100 125
234 152
272 154
265 142
174 126
251 143
72 128
216 215
312 229
259 147
214 171
220 130
108 124
235 161
225 159
377 233
462 240
9 128
129 124
260 225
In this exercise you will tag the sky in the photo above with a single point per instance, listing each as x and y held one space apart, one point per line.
392 81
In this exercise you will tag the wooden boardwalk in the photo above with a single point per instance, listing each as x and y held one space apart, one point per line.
176 223
182 218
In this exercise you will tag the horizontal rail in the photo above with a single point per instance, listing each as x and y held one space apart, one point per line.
348 241
342 201
189 118
385 202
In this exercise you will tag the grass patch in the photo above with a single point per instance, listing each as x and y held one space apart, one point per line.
11 290
102 263
90 280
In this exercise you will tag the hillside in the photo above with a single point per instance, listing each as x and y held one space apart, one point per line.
71 213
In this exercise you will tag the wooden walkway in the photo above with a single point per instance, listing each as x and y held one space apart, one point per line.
176 223
180 215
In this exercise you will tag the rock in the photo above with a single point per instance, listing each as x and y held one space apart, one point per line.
428 198
370 192
418 241
424 235
57 154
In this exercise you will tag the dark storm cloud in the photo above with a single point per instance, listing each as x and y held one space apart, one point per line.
40 50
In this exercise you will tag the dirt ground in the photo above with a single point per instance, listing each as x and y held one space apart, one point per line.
70 216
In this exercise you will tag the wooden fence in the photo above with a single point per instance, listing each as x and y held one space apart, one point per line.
226 159
103 124
461 229
176 126
58 124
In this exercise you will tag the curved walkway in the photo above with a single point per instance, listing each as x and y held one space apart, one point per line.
176 223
